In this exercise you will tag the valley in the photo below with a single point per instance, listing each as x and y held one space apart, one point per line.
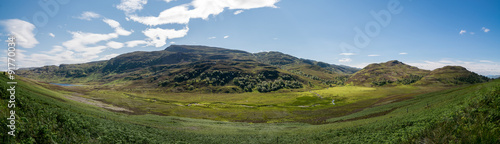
199 94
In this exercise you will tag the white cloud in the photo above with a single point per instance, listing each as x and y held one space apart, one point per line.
212 37
88 15
373 55
226 37
110 56
130 6
55 49
343 60
238 12
200 9
158 36
169 1
172 42
52 35
347 54
82 39
135 43
480 68
115 45
485 29
403 53
22 30
83 47
116 25
485 61
462 31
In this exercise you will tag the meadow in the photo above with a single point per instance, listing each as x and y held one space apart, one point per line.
468 114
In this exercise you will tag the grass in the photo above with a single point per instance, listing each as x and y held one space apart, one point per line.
45 116
256 107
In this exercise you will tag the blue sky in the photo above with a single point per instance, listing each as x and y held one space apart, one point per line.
424 33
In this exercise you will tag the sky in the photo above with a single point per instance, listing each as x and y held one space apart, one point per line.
425 33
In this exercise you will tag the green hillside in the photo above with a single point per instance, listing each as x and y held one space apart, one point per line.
452 75
181 68
468 114
388 73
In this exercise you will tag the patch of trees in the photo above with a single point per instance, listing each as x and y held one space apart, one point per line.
249 83
268 86
338 80
264 81
381 82
470 79
409 79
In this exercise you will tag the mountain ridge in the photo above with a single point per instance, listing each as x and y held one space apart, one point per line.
181 68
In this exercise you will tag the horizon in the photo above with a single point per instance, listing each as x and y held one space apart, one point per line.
418 33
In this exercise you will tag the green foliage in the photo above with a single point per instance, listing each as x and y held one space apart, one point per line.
477 121
268 86
381 82
409 79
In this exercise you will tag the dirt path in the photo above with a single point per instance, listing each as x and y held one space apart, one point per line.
97 103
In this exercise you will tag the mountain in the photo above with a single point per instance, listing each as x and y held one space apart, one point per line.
493 76
389 73
181 68
452 75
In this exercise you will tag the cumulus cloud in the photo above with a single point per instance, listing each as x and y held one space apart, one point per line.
462 32
485 29
480 68
135 43
130 6
110 56
344 60
158 36
182 14
212 37
82 39
88 15
199 9
115 45
238 12
22 30
52 35
347 54
403 53
226 37
373 55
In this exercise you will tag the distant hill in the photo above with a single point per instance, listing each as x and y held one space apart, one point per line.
181 68
394 72
452 75
493 76
388 73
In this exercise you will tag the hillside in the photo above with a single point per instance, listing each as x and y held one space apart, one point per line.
181 68
452 75
388 73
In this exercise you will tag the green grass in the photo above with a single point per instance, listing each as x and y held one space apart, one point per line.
256 107
45 116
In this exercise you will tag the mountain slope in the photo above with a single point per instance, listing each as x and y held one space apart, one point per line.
452 75
388 73
181 68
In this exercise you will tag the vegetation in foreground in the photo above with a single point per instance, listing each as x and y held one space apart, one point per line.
460 115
